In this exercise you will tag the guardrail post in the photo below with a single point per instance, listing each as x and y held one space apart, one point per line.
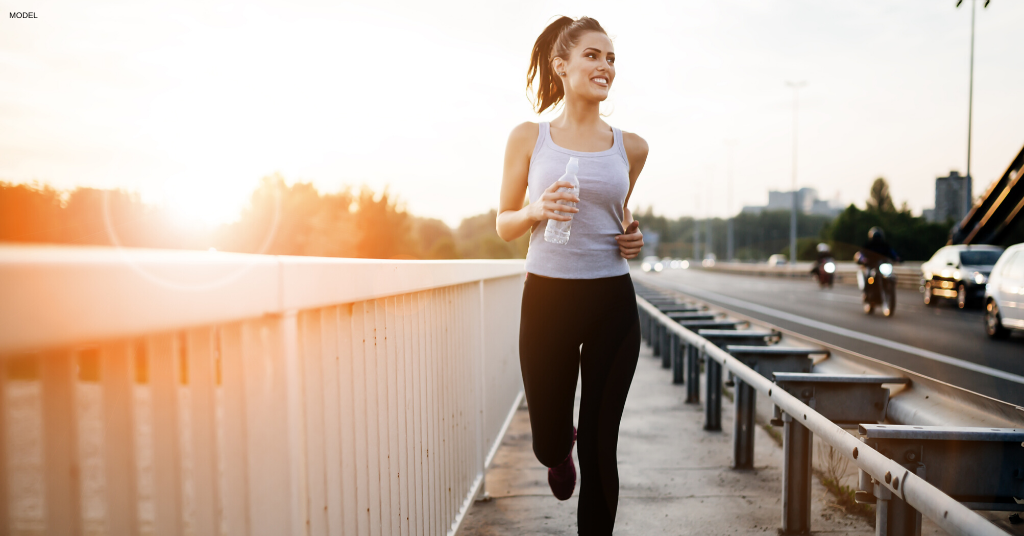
670 349
679 348
894 517
796 477
656 338
743 427
644 319
713 396
693 375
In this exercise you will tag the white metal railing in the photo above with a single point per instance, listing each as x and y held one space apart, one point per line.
163 392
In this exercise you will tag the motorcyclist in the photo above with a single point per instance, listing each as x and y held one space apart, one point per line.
876 250
876 254
824 253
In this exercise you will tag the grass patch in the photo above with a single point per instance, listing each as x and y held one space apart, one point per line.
844 500
774 432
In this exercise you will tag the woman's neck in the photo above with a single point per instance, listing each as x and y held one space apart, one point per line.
579 116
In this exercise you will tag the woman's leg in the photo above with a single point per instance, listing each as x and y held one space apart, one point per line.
550 358
610 349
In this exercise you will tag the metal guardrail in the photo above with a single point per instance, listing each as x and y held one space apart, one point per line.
173 392
822 404
908 275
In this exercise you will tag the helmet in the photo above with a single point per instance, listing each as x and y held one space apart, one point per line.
876 233
823 248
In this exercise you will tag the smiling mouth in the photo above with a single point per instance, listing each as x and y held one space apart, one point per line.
600 80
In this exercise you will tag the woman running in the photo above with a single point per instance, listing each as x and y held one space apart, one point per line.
578 293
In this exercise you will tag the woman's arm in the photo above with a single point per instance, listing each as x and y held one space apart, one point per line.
514 219
632 240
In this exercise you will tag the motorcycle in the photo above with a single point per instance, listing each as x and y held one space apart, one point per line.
877 284
825 272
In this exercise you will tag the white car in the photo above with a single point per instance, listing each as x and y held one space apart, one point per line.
777 260
1004 294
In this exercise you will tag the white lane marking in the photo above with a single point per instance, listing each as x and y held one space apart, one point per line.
927 354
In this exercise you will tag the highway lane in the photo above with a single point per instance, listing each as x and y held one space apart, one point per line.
942 342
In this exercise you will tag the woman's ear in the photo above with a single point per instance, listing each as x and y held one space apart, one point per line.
558 64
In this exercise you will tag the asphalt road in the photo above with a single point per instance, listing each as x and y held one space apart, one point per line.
942 342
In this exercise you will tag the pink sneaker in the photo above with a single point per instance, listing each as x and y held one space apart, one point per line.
562 477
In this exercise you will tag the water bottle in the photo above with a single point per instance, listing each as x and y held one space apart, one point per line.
557 232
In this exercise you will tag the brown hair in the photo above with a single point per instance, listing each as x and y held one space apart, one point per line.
555 41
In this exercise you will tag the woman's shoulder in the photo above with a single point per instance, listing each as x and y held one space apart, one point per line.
525 131
636 147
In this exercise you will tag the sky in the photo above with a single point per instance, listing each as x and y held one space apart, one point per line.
170 99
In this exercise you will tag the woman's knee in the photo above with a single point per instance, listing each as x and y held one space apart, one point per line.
551 453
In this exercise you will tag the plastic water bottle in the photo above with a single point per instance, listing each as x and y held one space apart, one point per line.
557 232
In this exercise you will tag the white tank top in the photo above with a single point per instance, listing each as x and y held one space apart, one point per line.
592 251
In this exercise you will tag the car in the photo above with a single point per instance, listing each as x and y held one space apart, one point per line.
652 263
958 274
1004 294
777 260
709 260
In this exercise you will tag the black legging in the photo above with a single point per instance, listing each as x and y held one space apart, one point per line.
558 315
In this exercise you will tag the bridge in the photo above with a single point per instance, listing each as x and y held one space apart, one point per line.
169 392
991 220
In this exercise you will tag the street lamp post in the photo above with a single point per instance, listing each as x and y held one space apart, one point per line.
792 217
729 241
968 186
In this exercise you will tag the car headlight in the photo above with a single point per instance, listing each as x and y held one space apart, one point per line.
658 267
885 268
956 275
980 278
830 267
684 264
646 267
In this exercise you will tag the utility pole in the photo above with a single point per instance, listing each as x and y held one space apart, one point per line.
730 239
968 181
792 217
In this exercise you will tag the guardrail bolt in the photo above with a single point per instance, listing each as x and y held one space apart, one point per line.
806 393
878 405
888 477
911 456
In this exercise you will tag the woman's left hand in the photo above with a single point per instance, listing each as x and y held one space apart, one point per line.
630 241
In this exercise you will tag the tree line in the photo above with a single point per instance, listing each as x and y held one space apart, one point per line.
297 219
280 219
757 236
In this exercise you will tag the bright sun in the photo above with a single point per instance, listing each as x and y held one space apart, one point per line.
201 202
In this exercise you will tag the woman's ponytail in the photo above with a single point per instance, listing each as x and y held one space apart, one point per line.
555 41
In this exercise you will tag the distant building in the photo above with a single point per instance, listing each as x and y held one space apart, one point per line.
949 197
806 200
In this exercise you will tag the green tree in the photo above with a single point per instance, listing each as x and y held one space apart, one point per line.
880 200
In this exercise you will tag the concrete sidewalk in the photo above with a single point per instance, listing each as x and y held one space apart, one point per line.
675 478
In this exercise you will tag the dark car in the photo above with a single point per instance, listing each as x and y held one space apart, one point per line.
958 273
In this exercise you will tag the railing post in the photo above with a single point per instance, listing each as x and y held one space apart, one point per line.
893 516
670 340
4 515
644 325
693 375
679 348
656 346
481 400
743 427
713 396
796 477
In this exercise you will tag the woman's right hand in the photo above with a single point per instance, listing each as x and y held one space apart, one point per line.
545 208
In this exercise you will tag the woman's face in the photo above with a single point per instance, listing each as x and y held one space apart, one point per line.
590 71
